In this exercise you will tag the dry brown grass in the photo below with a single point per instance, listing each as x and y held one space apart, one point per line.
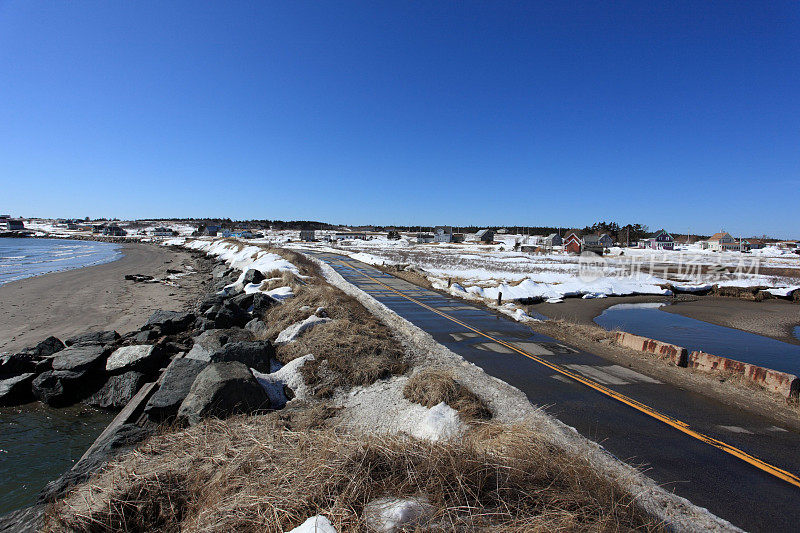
239 246
354 348
433 386
279 278
251 474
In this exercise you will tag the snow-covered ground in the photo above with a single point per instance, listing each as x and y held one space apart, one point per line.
476 271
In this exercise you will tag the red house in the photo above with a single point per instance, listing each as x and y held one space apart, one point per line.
573 244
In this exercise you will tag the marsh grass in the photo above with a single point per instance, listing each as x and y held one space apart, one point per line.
251 474
431 387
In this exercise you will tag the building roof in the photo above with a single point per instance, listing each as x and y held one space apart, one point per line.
718 236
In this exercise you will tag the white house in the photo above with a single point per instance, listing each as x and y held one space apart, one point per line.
723 242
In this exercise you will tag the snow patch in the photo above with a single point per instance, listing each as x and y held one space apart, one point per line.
441 422
315 524
291 333
286 376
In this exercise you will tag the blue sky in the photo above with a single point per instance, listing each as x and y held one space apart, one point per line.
682 115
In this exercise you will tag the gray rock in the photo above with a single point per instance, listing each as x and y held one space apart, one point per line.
142 357
118 390
203 324
146 336
19 363
222 390
211 341
221 271
254 354
47 347
230 316
253 276
169 322
261 303
124 438
81 357
175 385
244 301
210 301
94 337
16 390
59 388
258 328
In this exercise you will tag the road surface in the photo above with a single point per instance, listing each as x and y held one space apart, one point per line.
739 466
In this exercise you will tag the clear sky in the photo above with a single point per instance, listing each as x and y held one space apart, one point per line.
682 115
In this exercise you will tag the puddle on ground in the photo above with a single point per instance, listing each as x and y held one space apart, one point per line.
648 320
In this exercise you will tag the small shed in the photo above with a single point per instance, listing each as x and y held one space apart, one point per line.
307 235
606 241
554 239
485 235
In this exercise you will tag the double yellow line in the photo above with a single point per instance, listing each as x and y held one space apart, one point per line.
639 406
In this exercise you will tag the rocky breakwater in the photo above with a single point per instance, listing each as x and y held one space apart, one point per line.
180 367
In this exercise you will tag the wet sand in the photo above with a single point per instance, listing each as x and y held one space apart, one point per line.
580 311
96 297
770 318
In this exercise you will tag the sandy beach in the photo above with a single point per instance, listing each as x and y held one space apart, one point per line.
96 297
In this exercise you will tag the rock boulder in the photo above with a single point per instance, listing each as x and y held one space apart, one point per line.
16 390
118 390
254 354
94 337
253 276
60 388
175 386
222 390
169 322
81 357
142 357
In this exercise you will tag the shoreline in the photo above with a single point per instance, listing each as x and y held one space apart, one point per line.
775 319
96 297
119 254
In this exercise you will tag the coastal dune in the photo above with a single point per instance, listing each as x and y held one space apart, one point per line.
97 297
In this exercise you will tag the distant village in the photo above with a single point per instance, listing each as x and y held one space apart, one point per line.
522 239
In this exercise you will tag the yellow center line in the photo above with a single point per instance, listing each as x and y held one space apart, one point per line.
673 422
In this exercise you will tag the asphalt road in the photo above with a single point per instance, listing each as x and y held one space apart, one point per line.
739 466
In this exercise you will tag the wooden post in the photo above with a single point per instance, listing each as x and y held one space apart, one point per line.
499 298
449 282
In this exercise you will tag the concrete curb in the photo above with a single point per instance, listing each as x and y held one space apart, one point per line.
676 354
787 385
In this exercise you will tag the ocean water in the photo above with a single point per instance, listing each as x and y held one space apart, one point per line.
24 258
38 443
